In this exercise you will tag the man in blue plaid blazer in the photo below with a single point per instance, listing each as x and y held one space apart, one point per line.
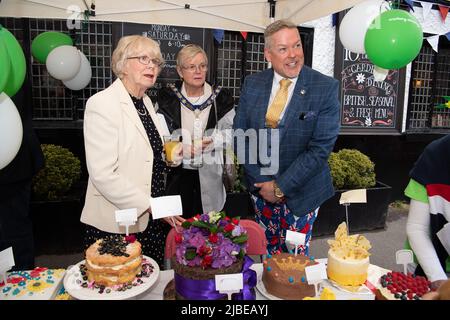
287 190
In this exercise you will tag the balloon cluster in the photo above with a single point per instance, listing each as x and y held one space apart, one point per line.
390 38
12 75
63 61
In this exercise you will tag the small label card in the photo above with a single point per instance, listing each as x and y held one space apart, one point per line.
315 274
354 196
295 238
167 206
126 217
229 283
404 257
6 263
444 236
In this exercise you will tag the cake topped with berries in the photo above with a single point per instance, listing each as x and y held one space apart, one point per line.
399 286
113 260
209 244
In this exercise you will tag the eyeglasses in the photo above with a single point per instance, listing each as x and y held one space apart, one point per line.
146 60
193 67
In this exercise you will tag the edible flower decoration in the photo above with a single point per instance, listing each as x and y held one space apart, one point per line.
211 240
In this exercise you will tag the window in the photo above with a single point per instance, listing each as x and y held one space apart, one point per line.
430 82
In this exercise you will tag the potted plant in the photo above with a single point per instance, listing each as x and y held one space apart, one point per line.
351 169
56 202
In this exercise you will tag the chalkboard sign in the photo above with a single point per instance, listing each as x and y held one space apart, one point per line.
367 105
171 39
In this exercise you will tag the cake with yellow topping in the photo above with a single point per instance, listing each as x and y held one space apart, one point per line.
284 276
348 258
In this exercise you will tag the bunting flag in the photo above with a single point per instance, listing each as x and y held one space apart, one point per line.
447 35
218 35
426 8
244 34
444 105
443 10
410 4
334 19
434 42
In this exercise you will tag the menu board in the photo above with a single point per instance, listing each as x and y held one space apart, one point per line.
366 102
368 105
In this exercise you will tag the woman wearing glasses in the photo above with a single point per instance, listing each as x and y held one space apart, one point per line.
123 144
200 113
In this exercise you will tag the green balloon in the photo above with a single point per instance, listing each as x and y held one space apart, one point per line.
46 42
5 66
17 62
393 39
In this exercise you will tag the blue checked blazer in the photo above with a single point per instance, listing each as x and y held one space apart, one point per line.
308 131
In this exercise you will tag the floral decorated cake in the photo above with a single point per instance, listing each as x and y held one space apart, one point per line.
210 244
36 284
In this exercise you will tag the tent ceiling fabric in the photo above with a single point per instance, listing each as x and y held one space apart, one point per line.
238 15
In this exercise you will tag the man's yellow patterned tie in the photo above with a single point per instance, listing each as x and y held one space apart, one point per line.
278 104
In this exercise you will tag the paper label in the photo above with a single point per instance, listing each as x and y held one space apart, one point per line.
316 273
404 256
166 206
6 260
126 216
164 128
354 196
296 238
229 282
444 236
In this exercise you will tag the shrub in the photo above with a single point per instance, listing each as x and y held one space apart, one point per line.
351 169
62 169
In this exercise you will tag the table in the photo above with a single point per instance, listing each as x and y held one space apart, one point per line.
157 290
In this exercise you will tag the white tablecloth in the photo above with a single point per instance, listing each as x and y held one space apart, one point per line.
157 290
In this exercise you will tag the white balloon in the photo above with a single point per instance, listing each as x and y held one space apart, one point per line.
379 74
11 130
355 23
63 62
83 77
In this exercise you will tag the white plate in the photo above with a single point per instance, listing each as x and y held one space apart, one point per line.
262 289
77 291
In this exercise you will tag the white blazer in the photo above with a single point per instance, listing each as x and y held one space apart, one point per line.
119 159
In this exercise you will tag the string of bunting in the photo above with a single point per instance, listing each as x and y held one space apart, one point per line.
444 105
443 6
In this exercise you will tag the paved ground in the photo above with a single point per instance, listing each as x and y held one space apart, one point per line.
385 242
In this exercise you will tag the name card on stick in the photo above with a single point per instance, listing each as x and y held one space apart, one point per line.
6 263
126 218
404 257
354 196
315 274
229 283
167 206
296 238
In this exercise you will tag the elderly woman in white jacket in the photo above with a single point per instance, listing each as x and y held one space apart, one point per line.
201 114
123 142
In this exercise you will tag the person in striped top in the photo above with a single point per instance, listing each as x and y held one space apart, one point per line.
428 227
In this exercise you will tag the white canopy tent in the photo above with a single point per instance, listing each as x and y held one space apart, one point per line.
238 15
